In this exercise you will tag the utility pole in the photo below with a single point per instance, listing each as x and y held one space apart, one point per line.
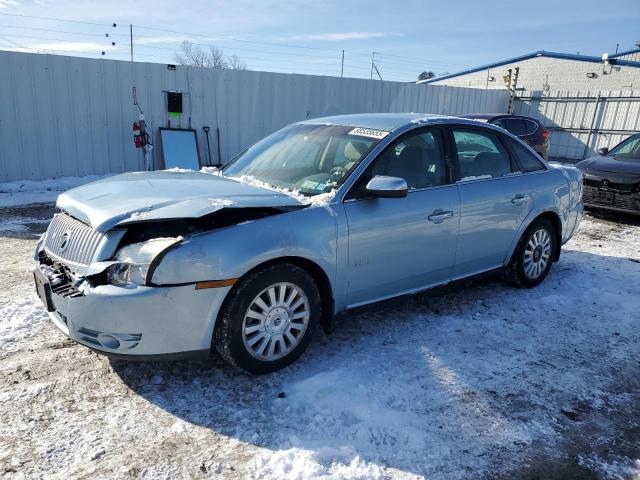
342 65
131 39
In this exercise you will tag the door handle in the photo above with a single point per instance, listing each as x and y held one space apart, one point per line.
440 215
520 199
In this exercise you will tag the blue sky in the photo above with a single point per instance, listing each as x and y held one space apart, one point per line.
304 36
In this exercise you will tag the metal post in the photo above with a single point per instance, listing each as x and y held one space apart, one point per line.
342 65
593 123
508 82
218 144
131 40
373 55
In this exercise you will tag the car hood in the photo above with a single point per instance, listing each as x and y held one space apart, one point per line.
145 196
601 164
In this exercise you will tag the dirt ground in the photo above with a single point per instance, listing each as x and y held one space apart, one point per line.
484 381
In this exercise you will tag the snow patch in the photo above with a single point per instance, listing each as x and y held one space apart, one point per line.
478 177
320 200
220 202
25 192
19 224
299 464
19 317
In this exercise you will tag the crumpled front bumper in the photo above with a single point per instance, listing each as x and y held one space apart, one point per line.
141 321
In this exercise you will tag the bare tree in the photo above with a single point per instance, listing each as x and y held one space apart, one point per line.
235 63
196 56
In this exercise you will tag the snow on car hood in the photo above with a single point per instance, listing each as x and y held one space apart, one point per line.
162 195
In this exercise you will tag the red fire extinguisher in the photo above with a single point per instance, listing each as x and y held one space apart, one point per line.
137 135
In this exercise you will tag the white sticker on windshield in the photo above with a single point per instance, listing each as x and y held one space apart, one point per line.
369 132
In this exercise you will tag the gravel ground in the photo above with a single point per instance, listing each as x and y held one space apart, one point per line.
484 381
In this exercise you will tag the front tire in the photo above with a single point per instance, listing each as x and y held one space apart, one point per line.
534 255
269 319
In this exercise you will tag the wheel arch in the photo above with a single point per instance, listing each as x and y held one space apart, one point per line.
555 220
318 275
549 215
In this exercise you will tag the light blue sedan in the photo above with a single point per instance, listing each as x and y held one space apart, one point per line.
320 217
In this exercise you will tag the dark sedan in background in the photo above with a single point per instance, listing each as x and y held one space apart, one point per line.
612 179
527 129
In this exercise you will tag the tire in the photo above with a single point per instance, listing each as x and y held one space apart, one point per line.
237 333
534 255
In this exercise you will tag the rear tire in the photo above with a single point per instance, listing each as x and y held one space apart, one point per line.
534 255
268 319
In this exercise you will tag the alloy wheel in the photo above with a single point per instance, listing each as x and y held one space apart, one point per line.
275 321
537 253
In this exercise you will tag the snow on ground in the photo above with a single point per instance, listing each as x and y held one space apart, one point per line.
24 192
485 381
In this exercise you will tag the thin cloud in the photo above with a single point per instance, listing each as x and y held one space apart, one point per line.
338 37
166 39
8 3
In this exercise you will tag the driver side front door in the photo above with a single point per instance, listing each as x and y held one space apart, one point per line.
400 245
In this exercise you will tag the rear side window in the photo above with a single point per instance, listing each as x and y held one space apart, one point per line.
528 161
480 155
516 126
530 126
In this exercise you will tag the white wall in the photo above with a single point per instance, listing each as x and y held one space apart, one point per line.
554 73
68 116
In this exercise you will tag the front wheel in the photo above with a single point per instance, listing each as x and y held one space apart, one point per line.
269 319
534 255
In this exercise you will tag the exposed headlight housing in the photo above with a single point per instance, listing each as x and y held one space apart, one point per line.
133 261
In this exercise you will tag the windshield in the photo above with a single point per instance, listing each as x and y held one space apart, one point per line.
311 159
629 149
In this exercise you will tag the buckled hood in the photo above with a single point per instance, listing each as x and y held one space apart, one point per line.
162 195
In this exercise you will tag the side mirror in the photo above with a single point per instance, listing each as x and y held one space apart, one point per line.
603 151
382 186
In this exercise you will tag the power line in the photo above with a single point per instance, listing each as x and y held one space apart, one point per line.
14 43
52 19
337 52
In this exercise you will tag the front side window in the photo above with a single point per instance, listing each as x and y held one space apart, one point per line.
480 155
528 161
417 158
311 159
629 149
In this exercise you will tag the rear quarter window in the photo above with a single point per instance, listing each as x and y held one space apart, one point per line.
528 161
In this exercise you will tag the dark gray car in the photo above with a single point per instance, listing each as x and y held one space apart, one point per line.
612 179
527 129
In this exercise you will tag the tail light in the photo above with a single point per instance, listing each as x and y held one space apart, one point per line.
546 134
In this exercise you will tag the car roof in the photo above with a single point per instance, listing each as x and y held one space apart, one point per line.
492 116
379 121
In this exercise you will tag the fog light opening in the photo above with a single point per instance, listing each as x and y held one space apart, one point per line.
108 341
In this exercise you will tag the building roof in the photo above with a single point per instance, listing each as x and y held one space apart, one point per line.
542 53
628 52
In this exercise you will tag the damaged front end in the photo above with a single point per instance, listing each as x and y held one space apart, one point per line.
98 289
73 254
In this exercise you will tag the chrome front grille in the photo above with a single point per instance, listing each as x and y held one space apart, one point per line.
71 242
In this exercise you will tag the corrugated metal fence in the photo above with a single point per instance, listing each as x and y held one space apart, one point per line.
582 122
66 116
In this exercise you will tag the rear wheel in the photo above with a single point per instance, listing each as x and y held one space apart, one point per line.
534 255
269 319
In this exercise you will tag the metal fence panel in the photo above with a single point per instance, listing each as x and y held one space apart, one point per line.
67 116
582 122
